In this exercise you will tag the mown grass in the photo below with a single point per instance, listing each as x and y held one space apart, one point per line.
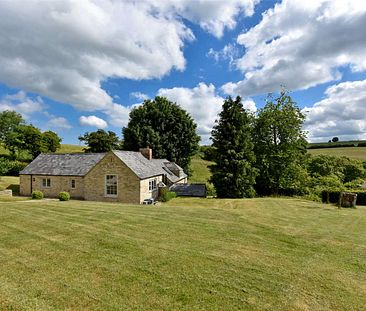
350 152
189 254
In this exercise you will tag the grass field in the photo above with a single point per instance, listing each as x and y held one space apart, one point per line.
190 254
200 171
350 152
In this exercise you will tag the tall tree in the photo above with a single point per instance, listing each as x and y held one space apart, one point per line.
165 127
280 144
50 141
24 138
100 141
9 120
233 173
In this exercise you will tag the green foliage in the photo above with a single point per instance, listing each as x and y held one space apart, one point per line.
9 121
24 137
345 169
166 128
16 167
37 195
50 142
280 145
210 190
11 168
233 174
208 152
64 196
5 166
100 141
166 195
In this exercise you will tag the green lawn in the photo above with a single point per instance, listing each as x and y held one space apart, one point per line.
190 254
350 152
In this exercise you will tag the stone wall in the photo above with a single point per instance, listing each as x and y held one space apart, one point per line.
145 193
58 184
128 183
25 185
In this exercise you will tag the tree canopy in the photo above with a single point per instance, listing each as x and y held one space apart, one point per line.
280 145
233 173
100 141
166 128
9 120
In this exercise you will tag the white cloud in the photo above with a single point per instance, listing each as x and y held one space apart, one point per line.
212 15
341 113
139 95
65 49
300 45
229 53
202 103
58 123
22 104
93 121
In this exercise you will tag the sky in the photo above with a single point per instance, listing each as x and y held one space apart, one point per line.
77 66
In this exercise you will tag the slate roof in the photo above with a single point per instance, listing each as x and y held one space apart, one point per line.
189 190
63 164
164 165
79 164
141 166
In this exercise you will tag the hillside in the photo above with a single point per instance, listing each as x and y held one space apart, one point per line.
350 152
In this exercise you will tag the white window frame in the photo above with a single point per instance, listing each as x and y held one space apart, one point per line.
46 182
152 185
73 184
106 185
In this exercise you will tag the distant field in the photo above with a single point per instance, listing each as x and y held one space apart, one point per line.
351 152
200 171
65 148
188 254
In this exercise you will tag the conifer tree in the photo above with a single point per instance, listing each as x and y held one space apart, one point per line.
233 173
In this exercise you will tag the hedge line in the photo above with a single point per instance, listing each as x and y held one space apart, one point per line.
333 196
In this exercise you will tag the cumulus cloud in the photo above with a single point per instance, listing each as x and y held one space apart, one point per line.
58 123
341 113
139 95
300 45
93 121
22 104
65 49
212 15
202 103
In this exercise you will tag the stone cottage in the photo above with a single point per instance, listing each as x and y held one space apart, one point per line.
116 176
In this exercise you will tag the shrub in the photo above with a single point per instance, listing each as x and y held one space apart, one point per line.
167 195
37 195
64 196
210 190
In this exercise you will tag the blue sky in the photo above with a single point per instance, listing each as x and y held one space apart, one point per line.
74 66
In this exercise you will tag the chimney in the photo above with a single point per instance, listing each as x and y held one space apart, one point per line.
146 152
